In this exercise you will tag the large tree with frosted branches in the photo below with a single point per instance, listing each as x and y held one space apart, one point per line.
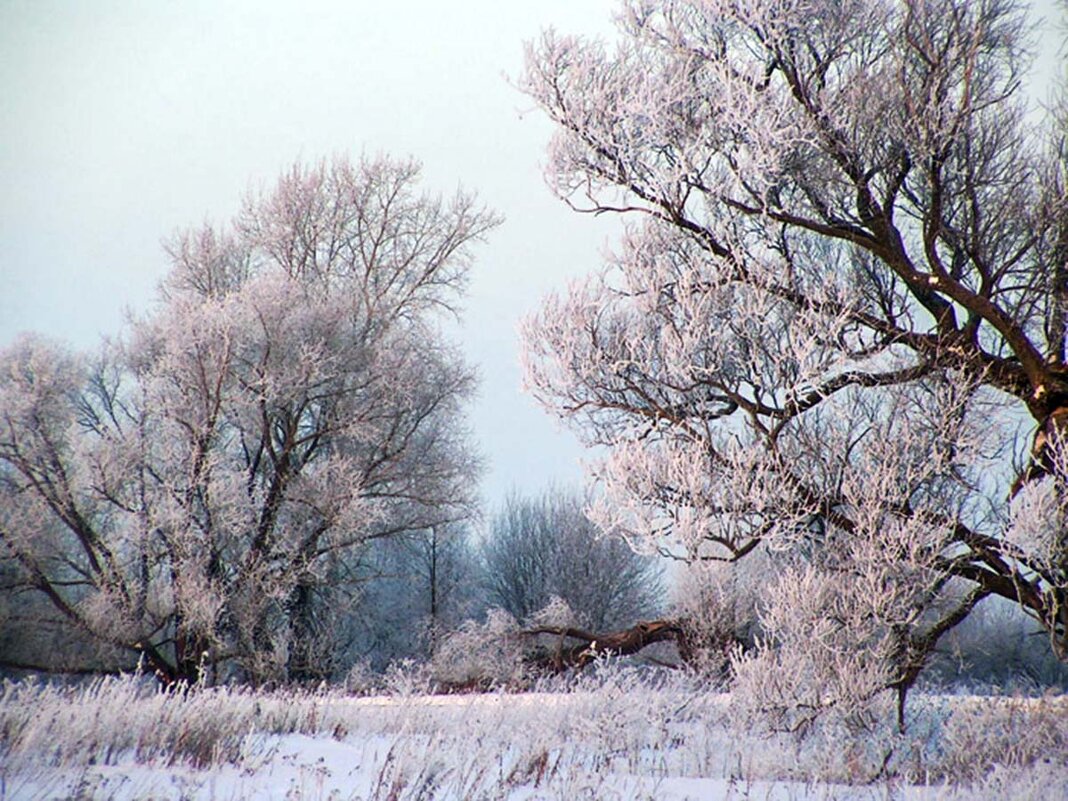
184 496
835 328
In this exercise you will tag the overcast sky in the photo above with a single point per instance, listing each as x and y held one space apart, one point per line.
122 121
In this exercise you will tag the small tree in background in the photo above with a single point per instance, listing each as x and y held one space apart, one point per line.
998 647
182 497
411 589
540 548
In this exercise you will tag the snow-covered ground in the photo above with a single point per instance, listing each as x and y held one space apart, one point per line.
613 738
298 766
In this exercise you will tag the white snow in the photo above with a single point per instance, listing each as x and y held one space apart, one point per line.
617 739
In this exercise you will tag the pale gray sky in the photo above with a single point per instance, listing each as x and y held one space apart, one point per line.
122 121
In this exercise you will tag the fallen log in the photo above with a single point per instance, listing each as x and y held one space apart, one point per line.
591 646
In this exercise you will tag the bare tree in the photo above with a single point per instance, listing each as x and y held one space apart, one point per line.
538 549
412 589
181 496
838 308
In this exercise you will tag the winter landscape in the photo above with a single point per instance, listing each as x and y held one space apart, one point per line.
592 740
285 528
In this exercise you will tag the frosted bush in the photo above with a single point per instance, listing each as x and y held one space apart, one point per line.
479 653
408 678
556 613
823 650
1011 733
717 604
361 678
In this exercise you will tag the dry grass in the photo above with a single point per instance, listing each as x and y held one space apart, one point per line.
558 744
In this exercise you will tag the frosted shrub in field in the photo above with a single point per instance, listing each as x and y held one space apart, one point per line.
361 679
408 679
814 657
557 613
500 651
479 653
718 606
1042 781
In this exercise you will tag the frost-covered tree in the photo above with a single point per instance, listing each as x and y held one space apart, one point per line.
182 496
838 310
538 549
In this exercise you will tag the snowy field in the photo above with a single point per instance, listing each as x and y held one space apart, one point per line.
609 737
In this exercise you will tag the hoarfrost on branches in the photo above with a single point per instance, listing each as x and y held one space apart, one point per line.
184 495
839 307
